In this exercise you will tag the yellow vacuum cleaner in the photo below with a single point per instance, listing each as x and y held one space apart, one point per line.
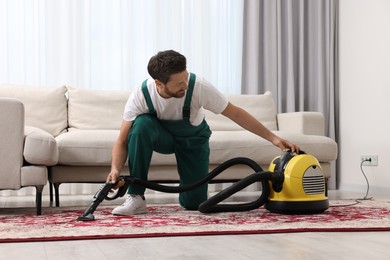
303 189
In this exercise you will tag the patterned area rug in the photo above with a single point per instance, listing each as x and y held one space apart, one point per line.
22 225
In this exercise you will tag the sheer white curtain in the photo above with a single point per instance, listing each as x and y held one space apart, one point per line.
106 44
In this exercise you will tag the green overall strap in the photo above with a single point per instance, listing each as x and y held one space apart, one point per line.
147 97
187 102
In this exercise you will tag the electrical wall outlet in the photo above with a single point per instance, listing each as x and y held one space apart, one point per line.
369 160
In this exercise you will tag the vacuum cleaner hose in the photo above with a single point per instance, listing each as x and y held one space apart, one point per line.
182 188
210 206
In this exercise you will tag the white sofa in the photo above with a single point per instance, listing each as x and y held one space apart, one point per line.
72 131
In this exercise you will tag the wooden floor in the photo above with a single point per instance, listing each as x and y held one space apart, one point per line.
343 245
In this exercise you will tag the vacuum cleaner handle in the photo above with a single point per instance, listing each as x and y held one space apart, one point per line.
102 194
121 191
281 162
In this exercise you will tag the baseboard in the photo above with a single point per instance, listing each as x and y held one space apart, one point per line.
374 191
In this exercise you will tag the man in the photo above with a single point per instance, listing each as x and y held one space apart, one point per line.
165 115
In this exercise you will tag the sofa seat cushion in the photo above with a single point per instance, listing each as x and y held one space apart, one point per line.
93 147
229 144
86 147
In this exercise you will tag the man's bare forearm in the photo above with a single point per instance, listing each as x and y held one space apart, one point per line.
248 122
119 151
119 155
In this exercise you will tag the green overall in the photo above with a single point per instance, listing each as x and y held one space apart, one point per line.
189 143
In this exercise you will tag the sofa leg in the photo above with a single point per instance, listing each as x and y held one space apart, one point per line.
38 199
51 193
50 187
57 193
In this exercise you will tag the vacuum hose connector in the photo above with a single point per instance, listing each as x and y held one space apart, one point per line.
277 181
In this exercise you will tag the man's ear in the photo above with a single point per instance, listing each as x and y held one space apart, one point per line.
159 84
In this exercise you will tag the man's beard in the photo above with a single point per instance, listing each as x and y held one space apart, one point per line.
178 94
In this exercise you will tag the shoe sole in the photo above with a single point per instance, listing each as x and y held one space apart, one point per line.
136 212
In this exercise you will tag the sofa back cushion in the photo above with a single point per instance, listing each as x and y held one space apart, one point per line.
96 109
45 107
260 106
103 109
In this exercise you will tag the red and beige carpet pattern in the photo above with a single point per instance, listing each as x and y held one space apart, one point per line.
22 225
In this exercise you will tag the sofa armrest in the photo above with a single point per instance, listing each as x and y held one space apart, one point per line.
308 123
40 147
11 142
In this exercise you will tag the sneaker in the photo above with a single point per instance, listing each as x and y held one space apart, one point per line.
134 204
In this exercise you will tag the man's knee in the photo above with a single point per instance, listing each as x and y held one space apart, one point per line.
192 199
144 124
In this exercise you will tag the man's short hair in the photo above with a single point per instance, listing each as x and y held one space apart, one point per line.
165 63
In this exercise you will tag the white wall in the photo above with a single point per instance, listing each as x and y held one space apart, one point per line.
364 41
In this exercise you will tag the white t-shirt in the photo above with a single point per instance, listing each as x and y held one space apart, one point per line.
204 96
